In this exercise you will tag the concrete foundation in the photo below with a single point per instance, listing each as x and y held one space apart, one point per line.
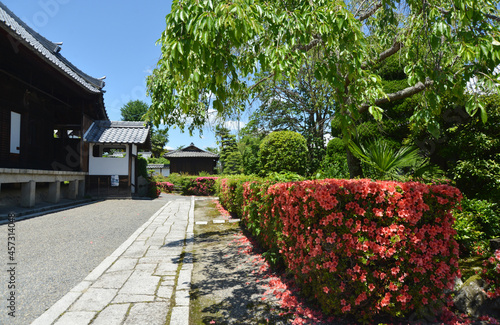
28 194
54 192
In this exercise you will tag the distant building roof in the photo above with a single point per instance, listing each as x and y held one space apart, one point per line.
157 166
190 151
46 49
117 132
146 154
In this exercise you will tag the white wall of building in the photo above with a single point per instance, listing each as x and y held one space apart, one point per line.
108 166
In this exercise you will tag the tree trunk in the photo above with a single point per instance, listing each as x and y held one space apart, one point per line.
354 165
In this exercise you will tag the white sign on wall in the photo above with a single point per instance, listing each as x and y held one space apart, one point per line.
115 180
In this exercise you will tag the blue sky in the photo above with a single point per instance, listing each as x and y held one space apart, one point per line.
108 38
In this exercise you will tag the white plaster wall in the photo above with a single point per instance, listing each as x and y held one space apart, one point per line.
108 166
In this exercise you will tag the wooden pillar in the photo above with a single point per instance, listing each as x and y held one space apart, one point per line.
28 194
129 165
54 192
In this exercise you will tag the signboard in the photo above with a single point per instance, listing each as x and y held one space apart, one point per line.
115 180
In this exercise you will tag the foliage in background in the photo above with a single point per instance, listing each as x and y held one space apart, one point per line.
142 167
476 223
159 160
250 138
134 110
470 149
283 151
213 50
305 108
334 163
230 157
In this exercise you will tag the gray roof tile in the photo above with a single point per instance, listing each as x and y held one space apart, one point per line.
117 132
190 151
153 166
46 49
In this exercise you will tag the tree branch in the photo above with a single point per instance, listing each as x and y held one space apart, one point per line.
493 17
367 14
402 94
384 55
315 42
490 16
261 81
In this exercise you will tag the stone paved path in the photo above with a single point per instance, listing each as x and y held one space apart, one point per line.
145 281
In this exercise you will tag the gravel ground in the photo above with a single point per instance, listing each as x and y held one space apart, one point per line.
55 252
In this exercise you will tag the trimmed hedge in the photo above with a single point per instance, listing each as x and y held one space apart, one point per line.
360 247
230 193
201 186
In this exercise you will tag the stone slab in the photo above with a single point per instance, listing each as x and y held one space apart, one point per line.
140 284
112 315
180 316
123 264
112 280
126 298
154 313
76 318
94 299
182 298
165 292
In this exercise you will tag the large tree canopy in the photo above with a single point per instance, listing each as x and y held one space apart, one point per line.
213 51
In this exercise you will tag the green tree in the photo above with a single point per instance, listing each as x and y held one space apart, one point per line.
215 47
468 150
134 110
306 108
230 157
283 151
159 138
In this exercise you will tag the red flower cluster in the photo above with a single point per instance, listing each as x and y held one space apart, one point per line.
166 187
202 186
491 274
357 246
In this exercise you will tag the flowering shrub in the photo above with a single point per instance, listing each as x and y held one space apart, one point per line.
166 187
154 190
203 186
491 274
360 247
230 193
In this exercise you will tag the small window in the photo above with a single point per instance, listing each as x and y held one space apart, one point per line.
15 132
104 151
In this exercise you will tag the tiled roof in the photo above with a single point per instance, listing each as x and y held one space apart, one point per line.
46 49
190 151
156 166
117 132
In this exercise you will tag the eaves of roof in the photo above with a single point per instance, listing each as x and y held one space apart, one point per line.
46 49
190 154
117 132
